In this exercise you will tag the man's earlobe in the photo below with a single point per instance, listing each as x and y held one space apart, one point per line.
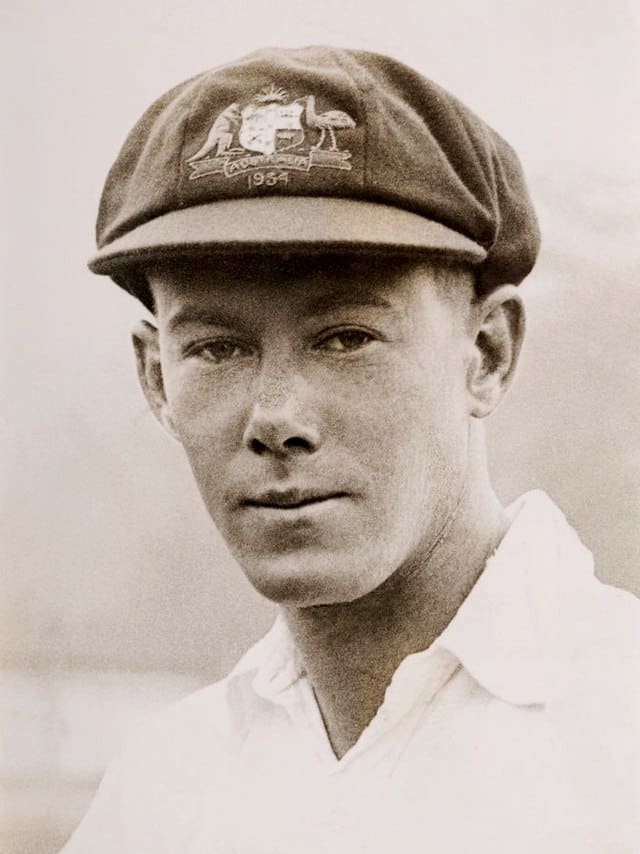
499 328
146 347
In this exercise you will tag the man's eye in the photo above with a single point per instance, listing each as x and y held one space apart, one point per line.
348 339
218 351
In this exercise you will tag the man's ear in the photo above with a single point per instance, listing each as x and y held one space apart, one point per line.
499 327
146 346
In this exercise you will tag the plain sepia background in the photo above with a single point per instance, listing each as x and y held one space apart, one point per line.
117 593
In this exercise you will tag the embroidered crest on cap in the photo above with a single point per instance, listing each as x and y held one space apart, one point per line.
272 132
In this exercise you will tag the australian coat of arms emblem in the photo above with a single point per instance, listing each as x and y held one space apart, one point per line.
272 132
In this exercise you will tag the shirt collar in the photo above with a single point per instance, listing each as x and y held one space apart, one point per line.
506 632
273 663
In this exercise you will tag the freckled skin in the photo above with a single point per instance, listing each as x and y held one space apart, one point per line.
348 378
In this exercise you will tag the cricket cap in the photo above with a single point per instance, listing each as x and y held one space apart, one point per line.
314 150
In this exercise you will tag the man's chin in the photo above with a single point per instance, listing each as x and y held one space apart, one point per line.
300 580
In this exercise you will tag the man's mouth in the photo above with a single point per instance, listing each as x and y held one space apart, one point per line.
290 499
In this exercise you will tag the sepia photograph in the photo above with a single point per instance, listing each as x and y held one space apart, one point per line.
321 507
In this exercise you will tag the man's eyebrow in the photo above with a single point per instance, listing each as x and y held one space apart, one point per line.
201 316
346 299
321 305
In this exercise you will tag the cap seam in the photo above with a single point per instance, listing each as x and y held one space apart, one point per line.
362 106
488 245
185 126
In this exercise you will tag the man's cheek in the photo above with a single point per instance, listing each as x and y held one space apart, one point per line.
196 412
207 446
209 474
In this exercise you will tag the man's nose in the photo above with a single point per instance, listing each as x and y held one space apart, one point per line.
277 426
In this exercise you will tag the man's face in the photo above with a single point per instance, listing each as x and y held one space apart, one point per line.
324 411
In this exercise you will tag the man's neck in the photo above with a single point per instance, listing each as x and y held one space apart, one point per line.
351 650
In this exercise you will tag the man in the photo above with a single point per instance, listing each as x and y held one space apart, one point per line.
331 247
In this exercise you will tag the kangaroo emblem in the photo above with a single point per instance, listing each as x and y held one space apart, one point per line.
221 133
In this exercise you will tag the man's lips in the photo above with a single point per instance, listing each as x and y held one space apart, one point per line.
289 499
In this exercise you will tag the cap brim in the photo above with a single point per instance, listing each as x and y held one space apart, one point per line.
283 223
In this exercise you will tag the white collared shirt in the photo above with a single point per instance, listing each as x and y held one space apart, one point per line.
517 730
